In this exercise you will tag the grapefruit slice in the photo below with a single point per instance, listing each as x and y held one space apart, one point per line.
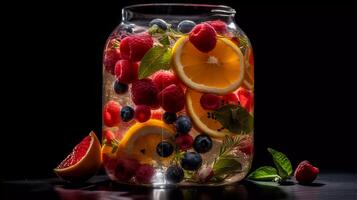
83 162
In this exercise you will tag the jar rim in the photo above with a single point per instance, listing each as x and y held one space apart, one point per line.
214 9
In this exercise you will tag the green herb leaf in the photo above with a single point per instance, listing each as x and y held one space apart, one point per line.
164 40
226 165
155 59
282 163
235 118
265 173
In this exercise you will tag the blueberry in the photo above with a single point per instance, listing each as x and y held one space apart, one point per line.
186 26
164 149
160 23
127 113
169 117
202 143
174 174
191 161
183 124
120 88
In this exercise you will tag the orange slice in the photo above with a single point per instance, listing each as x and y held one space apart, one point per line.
200 117
248 81
140 141
83 162
219 71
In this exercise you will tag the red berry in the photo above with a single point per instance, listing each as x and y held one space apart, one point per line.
126 169
142 113
172 98
144 92
305 173
111 57
111 114
246 99
184 141
126 71
203 37
210 101
108 136
157 114
162 79
204 174
219 26
134 47
144 173
231 98
246 146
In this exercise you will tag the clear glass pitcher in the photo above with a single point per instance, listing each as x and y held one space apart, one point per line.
178 82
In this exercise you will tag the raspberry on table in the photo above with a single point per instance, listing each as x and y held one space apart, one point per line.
203 37
172 98
305 173
134 47
126 71
144 92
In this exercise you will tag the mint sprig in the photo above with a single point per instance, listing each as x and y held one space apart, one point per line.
235 118
157 58
282 171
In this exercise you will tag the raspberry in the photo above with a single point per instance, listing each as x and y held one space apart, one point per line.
108 136
111 114
246 99
125 169
210 101
157 114
142 113
111 57
162 79
219 26
246 146
305 173
231 98
172 98
203 37
126 71
134 47
144 173
184 141
144 92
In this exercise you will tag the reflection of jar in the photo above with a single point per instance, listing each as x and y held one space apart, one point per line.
177 104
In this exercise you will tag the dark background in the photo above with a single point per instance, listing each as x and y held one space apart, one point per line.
305 80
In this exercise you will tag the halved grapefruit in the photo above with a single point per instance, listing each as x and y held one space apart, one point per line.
83 162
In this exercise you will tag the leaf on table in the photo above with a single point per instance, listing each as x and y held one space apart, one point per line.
265 173
282 163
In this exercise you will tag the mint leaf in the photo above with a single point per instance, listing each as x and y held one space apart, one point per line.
265 173
226 165
282 163
155 59
235 118
164 40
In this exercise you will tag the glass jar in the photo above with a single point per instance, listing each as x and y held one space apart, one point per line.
178 100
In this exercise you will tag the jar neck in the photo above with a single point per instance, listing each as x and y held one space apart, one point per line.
174 13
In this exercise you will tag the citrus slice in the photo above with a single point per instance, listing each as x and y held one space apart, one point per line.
219 71
248 81
140 141
83 162
200 117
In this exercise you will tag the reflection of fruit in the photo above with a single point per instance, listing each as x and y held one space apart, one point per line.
246 99
112 55
144 173
202 143
219 26
140 141
202 118
305 173
203 37
231 98
174 174
248 81
83 162
191 161
125 168
220 71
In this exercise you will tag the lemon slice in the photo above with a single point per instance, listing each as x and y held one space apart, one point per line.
219 71
200 117
140 141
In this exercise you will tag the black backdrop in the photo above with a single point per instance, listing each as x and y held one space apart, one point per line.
305 80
